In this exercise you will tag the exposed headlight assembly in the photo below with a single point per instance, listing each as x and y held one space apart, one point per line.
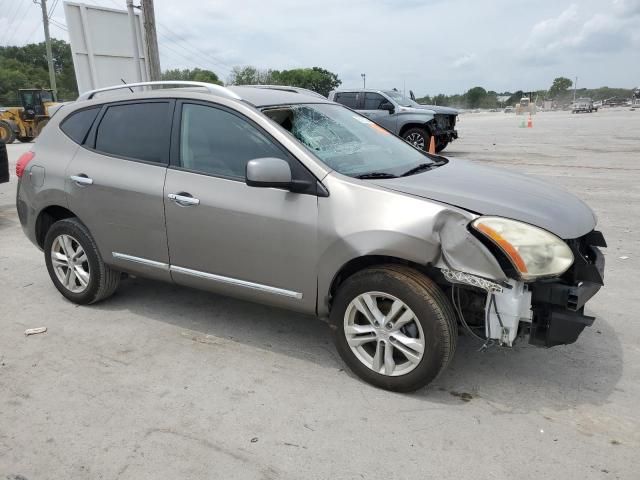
534 252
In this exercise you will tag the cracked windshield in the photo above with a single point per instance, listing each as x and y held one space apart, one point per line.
347 142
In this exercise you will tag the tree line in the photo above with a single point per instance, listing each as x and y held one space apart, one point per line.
560 92
26 67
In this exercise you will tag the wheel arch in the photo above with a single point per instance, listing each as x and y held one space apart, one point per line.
47 217
358 264
409 125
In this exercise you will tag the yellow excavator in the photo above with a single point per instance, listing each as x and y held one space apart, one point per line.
27 121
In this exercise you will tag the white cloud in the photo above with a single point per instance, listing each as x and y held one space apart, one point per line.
431 45
464 60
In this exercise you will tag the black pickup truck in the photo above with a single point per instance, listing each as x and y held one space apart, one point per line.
4 163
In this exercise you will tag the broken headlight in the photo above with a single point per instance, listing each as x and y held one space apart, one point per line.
534 252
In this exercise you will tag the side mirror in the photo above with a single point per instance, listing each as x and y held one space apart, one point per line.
388 106
268 172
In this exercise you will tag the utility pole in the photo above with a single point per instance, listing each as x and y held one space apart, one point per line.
575 85
364 80
47 39
151 40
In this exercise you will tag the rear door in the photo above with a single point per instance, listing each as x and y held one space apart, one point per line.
115 184
372 110
227 237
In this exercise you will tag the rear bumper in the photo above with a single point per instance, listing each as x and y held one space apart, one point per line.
558 305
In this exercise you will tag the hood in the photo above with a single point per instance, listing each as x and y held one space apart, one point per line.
493 191
441 110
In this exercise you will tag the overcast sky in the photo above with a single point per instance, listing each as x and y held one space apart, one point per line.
432 46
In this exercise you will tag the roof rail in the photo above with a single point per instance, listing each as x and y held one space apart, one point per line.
212 88
286 88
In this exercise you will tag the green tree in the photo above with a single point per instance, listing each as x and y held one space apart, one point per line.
475 96
317 79
559 86
249 75
195 75
26 67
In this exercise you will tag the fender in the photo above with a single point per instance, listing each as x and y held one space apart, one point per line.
401 226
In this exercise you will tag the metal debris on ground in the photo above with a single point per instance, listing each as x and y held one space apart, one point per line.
35 331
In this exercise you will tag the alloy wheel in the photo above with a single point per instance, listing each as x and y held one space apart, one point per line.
384 333
416 139
70 263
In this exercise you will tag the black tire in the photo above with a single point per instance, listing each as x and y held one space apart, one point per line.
103 281
7 135
25 139
431 308
418 137
441 145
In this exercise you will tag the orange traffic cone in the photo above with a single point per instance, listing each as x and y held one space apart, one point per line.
530 122
432 145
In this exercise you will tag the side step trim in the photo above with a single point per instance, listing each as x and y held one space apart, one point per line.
142 261
209 276
237 282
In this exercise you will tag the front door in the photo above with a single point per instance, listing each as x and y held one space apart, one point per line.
373 111
227 237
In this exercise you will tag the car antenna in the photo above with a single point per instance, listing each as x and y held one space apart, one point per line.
122 80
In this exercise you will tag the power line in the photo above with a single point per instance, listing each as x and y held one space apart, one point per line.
53 8
17 28
8 34
197 49
183 55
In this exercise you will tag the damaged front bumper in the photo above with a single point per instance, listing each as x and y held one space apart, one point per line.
549 311
558 306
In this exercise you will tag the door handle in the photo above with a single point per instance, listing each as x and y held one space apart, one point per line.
82 179
183 199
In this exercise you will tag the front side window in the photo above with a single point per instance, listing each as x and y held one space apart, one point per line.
400 99
374 101
347 142
138 131
216 142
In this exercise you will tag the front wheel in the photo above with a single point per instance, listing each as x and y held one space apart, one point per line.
394 327
25 139
75 265
418 137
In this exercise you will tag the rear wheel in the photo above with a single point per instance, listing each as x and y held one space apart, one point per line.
75 265
7 134
418 137
394 327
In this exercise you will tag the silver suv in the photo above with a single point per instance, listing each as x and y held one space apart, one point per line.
279 196
401 115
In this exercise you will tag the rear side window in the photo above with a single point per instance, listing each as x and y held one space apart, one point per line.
139 131
348 99
78 124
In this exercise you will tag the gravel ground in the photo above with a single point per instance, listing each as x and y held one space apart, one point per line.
165 382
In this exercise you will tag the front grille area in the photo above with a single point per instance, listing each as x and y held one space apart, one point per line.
445 122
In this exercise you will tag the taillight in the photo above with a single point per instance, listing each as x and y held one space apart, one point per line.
24 159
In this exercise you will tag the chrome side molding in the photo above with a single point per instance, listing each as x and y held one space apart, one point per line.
140 260
237 282
209 276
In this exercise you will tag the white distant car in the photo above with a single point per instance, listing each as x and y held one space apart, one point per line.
583 105
508 109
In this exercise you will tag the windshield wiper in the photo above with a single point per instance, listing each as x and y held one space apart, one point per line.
367 175
422 167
